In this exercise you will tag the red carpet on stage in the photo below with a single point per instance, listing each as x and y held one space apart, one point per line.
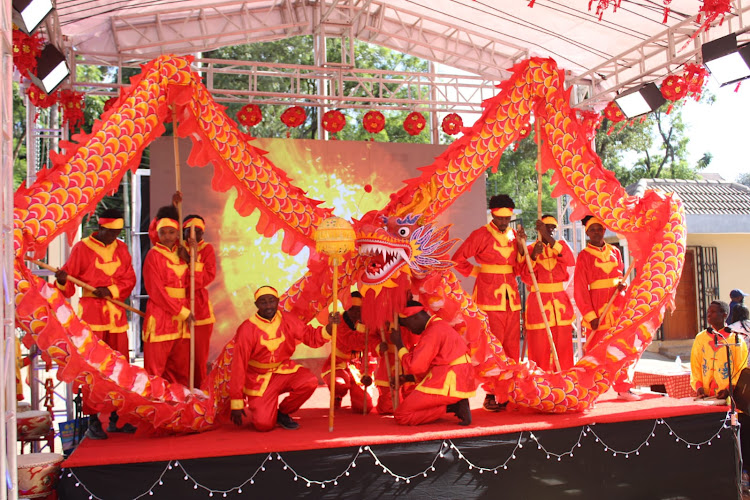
354 430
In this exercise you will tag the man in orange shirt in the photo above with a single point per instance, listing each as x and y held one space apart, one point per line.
550 260
102 261
599 276
440 360
262 368
499 252
205 272
166 333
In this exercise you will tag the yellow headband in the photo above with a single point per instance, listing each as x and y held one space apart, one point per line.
591 221
194 222
112 223
502 212
548 219
167 222
266 290
356 301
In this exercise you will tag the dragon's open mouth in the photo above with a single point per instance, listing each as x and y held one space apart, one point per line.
384 261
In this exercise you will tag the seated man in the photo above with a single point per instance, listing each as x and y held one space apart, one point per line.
441 360
262 368
351 356
709 366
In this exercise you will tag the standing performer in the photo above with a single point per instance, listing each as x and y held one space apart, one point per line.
262 368
441 360
598 276
205 272
102 261
166 333
350 347
499 253
551 260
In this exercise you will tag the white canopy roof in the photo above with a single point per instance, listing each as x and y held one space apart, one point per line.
482 37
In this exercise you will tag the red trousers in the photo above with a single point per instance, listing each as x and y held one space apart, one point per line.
346 383
202 343
262 409
421 408
169 359
506 327
540 351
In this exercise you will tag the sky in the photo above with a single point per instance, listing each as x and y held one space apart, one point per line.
721 129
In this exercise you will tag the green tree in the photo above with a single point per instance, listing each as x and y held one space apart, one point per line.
744 179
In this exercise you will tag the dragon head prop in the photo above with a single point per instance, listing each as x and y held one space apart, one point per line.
397 250
402 245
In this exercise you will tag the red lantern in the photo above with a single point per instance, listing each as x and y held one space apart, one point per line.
452 124
39 98
695 77
590 122
294 116
374 122
414 123
711 10
613 112
333 121
73 105
674 88
250 115
26 50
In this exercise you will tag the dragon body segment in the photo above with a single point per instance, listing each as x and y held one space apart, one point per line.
653 225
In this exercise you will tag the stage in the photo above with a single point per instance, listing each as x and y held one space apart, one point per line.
655 448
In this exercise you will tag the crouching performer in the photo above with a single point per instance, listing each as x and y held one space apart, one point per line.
440 359
262 368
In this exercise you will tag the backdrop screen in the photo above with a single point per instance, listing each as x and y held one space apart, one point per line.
335 172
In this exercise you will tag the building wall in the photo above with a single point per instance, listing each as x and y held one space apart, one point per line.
732 254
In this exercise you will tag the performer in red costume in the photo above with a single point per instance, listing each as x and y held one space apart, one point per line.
351 355
166 333
205 272
441 360
550 260
598 276
262 368
102 261
499 253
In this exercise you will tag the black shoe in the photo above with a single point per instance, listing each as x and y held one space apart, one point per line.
127 429
490 404
113 418
463 412
95 430
286 421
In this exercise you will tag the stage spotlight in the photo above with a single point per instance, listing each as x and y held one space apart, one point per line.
726 62
640 100
29 14
51 69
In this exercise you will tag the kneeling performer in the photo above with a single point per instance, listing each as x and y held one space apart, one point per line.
440 359
262 368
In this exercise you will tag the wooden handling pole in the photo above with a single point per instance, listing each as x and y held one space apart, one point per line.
397 366
332 385
538 294
86 286
177 176
388 366
365 370
192 308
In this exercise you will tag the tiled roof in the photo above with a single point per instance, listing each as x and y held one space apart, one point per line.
703 197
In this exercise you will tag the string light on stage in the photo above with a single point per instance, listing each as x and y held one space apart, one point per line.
445 447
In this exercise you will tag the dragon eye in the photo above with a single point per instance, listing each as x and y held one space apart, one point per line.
403 232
